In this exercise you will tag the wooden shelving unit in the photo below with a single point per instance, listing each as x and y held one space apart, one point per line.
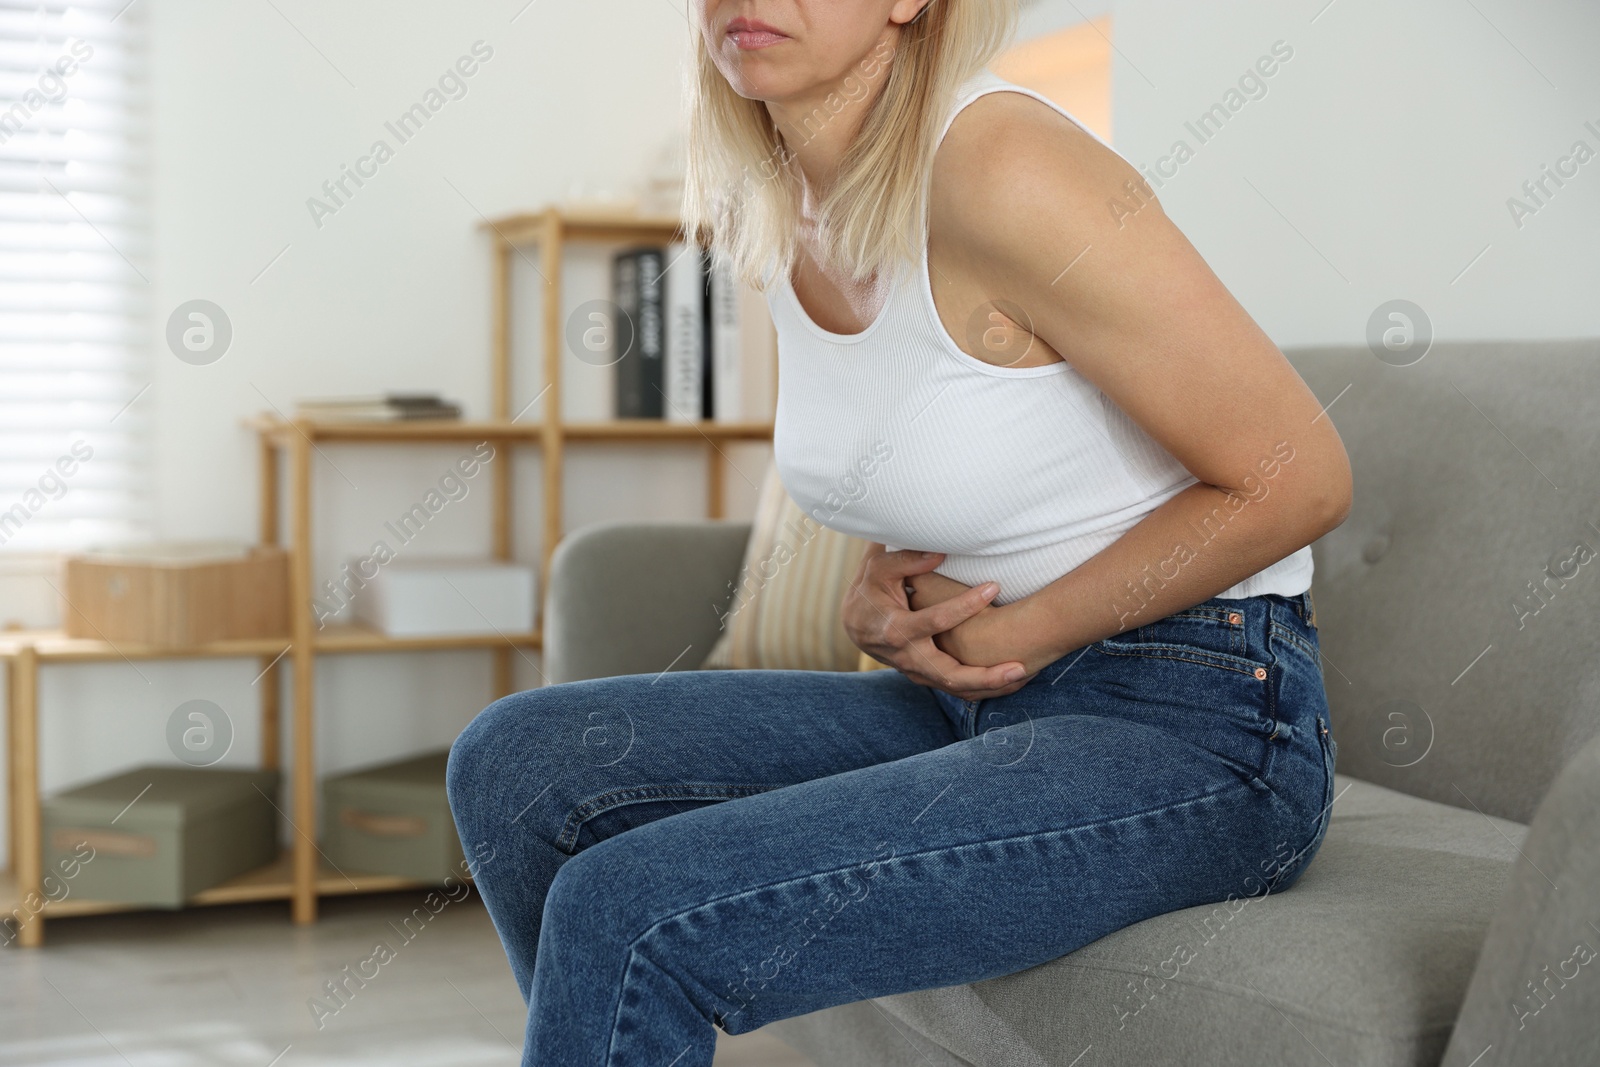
302 875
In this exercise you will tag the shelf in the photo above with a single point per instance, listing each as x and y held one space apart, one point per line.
287 469
415 430
585 225
54 646
660 430
272 882
357 638
426 430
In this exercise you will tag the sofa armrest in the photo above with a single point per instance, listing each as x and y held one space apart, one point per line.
1535 994
631 598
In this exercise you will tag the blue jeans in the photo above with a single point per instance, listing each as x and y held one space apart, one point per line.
662 854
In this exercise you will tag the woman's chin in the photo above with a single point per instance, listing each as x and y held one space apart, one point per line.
754 77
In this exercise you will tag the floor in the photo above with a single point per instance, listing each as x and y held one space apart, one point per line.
219 987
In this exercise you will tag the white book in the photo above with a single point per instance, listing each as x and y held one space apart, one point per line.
684 294
727 347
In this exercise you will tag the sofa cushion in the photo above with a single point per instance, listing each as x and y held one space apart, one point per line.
1365 960
787 599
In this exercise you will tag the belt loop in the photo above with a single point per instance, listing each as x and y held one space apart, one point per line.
1311 607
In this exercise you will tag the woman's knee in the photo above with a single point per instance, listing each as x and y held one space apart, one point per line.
490 753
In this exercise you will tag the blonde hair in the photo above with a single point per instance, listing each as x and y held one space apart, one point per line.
744 190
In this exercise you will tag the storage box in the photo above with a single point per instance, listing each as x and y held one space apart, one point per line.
178 594
448 598
162 834
392 819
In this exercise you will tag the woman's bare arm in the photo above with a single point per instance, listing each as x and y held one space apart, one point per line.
1019 193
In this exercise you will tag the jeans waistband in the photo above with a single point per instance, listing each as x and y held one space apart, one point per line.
1300 603
1304 606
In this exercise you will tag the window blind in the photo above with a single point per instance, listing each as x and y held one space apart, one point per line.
73 274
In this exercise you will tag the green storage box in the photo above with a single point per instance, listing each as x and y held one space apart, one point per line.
161 834
392 819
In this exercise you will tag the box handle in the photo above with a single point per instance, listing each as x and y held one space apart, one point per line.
384 825
107 841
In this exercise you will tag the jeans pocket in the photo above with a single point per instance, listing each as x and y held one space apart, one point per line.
1211 634
1202 658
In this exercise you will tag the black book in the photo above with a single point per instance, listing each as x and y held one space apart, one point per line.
636 289
706 393
414 400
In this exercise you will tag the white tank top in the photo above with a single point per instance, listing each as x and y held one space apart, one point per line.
1019 474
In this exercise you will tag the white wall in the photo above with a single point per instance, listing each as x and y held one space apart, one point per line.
249 118
1379 162
1388 144
1040 17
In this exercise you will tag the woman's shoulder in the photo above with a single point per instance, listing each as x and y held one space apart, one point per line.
1008 155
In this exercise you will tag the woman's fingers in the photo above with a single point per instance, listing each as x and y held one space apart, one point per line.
880 622
930 666
898 566
948 614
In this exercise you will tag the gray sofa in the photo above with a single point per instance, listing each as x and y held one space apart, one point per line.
1453 914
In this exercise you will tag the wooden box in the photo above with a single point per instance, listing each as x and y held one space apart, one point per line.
392 819
158 835
178 595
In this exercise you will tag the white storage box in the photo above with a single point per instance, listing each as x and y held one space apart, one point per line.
448 598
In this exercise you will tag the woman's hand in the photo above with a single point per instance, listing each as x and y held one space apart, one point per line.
879 618
989 636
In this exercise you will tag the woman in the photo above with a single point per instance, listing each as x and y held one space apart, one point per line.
1090 481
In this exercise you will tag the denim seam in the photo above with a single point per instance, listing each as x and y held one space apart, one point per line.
617 798
1317 827
969 722
1325 746
622 987
895 860
1289 635
1221 660
1209 614
1300 604
1274 682
1222 617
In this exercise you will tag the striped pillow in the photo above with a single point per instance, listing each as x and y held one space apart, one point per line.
785 609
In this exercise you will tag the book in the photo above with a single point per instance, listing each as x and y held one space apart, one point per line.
625 295
636 289
402 400
684 293
388 407
707 390
726 346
